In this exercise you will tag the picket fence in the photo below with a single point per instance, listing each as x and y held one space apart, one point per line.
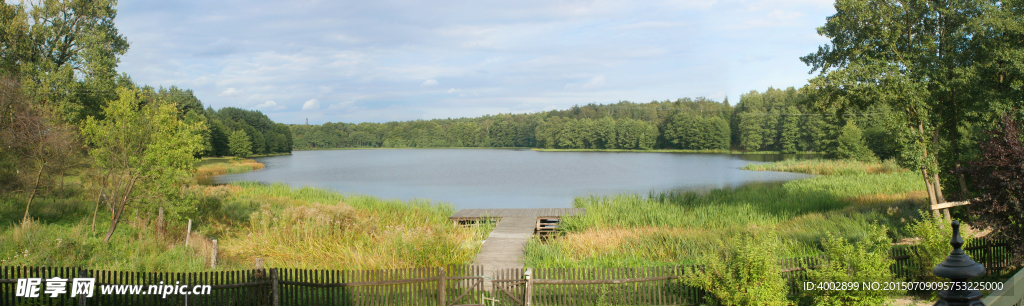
448 286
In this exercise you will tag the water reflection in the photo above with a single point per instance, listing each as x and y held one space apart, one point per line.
492 178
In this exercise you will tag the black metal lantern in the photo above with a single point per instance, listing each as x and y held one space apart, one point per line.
958 267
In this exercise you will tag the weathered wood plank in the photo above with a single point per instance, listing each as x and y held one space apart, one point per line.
517 212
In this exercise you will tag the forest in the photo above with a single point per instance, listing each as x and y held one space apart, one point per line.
66 115
773 120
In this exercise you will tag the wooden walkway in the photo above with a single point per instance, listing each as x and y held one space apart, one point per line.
517 212
503 249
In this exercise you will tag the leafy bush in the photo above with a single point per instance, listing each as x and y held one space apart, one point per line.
933 246
999 176
857 263
747 274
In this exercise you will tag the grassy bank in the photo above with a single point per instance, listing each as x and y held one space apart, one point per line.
677 227
212 166
672 151
287 227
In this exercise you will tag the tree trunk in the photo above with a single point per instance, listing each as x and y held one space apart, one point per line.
931 191
938 186
122 203
32 195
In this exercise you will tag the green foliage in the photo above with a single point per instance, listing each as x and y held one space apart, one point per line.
746 274
691 132
677 227
851 145
239 144
143 152
860 262
64 52
933 238
790 131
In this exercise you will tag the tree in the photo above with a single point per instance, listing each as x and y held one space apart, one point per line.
143 152
240 144
999 177
64 52
919 58
851 145
790 130
35 143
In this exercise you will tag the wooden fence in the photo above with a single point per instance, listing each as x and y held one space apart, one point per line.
452 285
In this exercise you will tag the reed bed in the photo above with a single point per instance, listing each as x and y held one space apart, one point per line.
677 227
223 165
829 167
317 228
287 227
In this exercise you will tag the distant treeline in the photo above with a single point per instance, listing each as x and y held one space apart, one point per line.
265 136
773 120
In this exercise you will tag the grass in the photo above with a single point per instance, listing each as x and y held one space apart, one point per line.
287 227
677 227
669 151
829 167
212 166
316 228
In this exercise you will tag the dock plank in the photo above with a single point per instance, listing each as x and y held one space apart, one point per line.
503 248
517 212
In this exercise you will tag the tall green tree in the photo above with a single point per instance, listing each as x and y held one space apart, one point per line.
64 52
918 57
790 136
144 152
240 144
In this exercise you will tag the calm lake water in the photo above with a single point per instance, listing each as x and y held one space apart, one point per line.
496 178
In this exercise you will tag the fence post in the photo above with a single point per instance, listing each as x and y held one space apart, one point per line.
213 255
529 287
160 221
188 231
958 267
81 297
275 291
440 289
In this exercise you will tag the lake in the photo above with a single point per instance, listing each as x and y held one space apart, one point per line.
506 178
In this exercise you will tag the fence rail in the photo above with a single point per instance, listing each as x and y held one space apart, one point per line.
451 285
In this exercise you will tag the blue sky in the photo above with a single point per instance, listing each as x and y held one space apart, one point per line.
377 61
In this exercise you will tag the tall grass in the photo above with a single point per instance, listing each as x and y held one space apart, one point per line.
317 228
212 166
828 167
287 227
678 227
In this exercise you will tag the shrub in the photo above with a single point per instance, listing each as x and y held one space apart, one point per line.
999 176
747 274
933 246
857 263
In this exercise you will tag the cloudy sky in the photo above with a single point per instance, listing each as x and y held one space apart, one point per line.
386 60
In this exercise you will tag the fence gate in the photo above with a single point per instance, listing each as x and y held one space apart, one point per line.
509 287
471 286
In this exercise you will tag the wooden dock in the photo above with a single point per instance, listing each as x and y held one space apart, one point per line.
503 249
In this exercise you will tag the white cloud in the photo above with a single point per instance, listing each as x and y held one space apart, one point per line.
453 90
312 104
271 105
346 105
231 91
595 82
430 82
650 25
